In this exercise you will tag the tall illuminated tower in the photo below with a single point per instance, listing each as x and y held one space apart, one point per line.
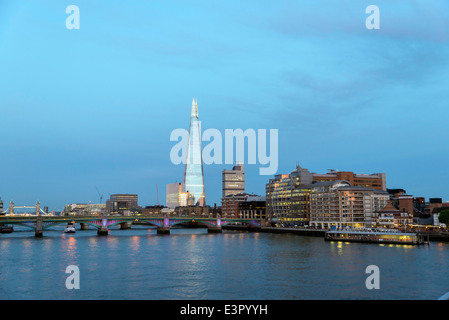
193 173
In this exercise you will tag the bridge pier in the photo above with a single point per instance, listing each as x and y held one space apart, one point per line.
84 226
217 228
214 230
102 231
163 230
39 227
125 225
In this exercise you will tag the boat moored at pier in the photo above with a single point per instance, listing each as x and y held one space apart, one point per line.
6 229
375 236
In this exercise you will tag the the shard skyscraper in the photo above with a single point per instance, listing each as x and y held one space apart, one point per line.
193 174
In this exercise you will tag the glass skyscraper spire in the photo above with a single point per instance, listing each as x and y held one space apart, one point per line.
193 174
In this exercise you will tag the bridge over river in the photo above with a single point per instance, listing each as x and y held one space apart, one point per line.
40 223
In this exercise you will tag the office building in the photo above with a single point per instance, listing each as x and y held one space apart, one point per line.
234 180
435 203
83 209
176 196
338 204
230 204
253 208
420 206
193 174
187 199
173 194
75 209
152 210
287 197
204 211
122 204
289 202
325 204
374 181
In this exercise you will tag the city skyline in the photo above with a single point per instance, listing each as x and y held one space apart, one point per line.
94 107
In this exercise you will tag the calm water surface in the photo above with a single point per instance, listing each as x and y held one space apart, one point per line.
192 264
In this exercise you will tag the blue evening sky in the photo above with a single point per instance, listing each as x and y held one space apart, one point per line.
96 106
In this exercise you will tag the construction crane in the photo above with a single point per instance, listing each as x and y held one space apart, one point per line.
157 195
101 196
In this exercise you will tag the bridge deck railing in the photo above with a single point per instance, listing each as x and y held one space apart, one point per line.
20 218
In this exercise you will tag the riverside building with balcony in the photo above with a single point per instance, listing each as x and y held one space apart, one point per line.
338 204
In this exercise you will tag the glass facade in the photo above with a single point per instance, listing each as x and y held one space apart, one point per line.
173 194
287 197
193 174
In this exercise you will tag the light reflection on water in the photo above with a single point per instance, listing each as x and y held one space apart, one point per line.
192 264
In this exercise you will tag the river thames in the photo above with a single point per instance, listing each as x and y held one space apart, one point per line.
190 264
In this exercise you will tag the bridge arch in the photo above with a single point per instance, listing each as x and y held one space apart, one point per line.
27 225
156 223
98 226
46 226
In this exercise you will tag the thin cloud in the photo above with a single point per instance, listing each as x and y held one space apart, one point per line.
426 21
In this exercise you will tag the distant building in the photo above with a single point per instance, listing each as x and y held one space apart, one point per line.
403 201
253 208
152 210
435 203
434 217
11 207
234 180
177 196
193 173
96 209
419 206
230 204
122 204
405 204
392 217
1 206
83 209
75 209
193 211
173 194
187 199
374 180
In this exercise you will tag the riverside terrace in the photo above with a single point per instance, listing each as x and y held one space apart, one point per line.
102 223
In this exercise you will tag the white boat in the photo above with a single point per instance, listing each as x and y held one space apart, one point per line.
69 229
